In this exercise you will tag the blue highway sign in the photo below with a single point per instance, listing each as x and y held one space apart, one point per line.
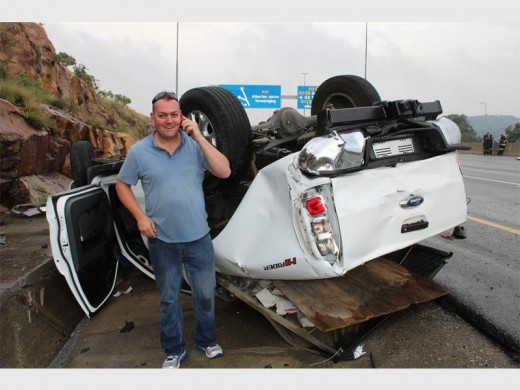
305 95
256 96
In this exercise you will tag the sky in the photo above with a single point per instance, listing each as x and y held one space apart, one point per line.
470 62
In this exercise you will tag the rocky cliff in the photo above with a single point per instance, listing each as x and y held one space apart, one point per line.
34 162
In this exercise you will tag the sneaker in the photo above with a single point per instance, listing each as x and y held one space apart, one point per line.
211 352
174 361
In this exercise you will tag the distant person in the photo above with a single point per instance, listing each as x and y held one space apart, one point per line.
487 144
170 163
502 143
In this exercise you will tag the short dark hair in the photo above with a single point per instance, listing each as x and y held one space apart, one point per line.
164 94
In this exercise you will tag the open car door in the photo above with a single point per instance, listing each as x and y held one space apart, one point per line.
84 244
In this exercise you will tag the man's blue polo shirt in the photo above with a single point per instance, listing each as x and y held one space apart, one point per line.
172 186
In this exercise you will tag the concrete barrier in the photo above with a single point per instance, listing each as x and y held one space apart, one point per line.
38 312
37 320
512 149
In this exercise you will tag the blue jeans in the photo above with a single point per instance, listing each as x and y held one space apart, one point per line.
198 260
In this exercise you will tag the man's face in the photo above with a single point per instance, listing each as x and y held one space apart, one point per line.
166 118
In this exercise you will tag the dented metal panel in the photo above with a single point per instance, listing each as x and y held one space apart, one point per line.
372 220
378 211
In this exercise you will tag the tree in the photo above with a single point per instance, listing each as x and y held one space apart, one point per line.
106 94
513 132
80 70
125 101
468 133
118 98
65 59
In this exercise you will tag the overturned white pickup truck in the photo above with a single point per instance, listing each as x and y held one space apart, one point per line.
310 198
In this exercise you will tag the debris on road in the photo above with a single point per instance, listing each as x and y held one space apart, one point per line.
29 209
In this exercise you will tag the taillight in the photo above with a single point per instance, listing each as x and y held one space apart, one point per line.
320 223
321 226
315 206
323 236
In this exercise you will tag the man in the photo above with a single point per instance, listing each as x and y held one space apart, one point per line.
502 143
171 163
487 142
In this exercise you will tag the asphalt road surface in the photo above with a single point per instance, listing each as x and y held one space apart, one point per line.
483 275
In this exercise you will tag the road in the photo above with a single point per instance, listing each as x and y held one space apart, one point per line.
483 275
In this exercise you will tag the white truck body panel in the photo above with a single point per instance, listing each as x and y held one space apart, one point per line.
264 233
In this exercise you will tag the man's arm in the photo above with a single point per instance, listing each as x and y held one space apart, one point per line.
144 223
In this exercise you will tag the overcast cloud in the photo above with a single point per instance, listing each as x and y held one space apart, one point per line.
460 64
462 53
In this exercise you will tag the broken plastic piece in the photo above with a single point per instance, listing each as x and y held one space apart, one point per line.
265 283
277 292
358 351
129 325
29 209
266 298
127 291
283 306
304 321
353 354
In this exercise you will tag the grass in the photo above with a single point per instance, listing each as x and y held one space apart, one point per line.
28 95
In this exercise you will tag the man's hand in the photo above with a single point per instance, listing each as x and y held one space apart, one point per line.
218 163
191 128
146 226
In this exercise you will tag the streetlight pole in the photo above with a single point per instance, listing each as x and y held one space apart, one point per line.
366 48
177 63
485 115
304 74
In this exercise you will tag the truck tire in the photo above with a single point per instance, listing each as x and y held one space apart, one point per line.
224 122
81 155
345 91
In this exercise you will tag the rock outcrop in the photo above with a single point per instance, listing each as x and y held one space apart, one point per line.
26 152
